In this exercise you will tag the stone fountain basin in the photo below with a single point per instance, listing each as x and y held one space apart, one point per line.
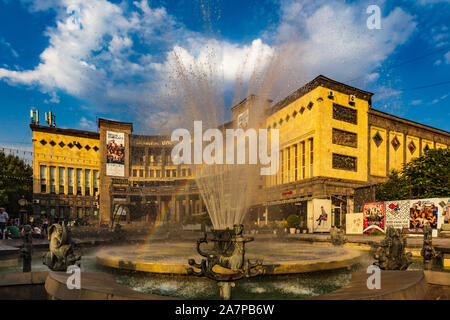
278 257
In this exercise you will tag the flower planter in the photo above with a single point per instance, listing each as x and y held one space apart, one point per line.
292 230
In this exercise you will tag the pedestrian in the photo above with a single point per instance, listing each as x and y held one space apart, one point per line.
3 220
44 224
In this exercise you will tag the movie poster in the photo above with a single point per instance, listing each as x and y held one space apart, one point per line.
115 154
373 217
421 212
397 214
322 215
354 223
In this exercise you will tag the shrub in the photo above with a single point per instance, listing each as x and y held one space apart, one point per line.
293 221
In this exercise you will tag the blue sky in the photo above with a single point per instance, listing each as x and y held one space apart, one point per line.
149 62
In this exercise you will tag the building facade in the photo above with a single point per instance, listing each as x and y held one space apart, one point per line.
331 143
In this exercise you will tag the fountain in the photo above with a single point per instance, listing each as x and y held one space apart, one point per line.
229 253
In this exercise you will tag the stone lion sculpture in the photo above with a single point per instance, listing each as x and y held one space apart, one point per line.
61 254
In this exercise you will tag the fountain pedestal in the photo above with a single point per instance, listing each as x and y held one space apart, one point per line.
229 253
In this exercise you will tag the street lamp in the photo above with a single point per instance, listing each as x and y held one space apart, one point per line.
23 212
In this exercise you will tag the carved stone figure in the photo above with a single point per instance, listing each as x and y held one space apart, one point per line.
337 236
229 253
61 254
391 255
428 253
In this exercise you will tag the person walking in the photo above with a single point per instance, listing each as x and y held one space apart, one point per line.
3 220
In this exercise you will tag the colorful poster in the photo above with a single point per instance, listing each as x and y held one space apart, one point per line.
443 211
354 223
115 154
424 211
421 212
373 217
397 214
322 215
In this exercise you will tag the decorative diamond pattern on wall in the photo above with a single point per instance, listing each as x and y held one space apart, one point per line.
87 147
395 143
294 114
310 105
70 145
53 143
412 147
62 144
95 148
302 109
43 142
377 139
426 148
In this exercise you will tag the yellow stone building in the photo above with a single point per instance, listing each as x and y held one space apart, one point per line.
65 171
332 144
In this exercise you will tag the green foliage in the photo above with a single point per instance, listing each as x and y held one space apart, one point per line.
293 221
15 182
427 176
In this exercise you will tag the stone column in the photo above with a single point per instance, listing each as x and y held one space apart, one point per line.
266 213
188 206
173 208
158 210
177 211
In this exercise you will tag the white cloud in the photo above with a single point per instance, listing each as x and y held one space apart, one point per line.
447 57
87 124
5 44
104 53
416 102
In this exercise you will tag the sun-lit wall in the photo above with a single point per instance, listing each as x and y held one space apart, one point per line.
52 148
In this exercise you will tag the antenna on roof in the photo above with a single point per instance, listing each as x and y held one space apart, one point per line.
34 116
50 118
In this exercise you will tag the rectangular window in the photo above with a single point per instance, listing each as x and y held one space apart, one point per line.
345 138
345 114
141 173
62 179
183 172
311 157
70 180
282 166
303 160
295 163
343 162
87 182
95 182
168 173
152 173
79 181
189 172
174 173
134 172
43 173
158 173
53 180
288 165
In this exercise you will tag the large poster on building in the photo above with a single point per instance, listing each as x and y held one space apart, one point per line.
373 217
322 215
397 214
354 223
115 154
423 211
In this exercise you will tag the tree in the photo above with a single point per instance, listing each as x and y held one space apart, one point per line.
427 176
16 180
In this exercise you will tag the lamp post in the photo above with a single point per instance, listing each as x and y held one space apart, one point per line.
23 212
